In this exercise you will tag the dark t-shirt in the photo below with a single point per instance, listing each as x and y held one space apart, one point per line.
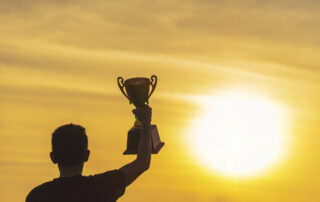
106 187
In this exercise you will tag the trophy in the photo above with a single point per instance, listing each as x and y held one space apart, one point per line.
138 92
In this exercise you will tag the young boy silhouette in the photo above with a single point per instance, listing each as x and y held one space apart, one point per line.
70 152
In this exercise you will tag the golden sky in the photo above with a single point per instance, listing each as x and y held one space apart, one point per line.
59 61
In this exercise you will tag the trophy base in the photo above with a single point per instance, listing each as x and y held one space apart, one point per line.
134 137
155 151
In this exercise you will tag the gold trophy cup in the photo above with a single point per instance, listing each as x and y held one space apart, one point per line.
138 92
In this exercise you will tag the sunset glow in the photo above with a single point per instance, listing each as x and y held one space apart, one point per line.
238 135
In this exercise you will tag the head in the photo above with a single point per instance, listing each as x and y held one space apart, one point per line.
69 146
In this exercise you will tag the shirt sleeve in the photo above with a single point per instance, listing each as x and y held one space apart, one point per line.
111 182
33 196
29 198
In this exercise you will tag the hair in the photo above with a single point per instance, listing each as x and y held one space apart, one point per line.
69 144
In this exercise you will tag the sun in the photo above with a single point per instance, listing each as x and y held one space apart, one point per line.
238 134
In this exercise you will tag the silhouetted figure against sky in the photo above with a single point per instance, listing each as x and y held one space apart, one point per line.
70 151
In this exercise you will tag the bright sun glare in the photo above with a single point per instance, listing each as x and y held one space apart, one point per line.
238 134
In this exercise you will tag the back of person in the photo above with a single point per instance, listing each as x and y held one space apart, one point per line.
108 186
70 152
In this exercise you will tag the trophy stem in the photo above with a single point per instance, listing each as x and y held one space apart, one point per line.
137 124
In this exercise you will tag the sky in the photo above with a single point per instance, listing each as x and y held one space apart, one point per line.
59 61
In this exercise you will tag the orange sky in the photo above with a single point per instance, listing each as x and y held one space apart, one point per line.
59 61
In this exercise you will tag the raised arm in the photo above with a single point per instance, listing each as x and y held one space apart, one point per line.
142 162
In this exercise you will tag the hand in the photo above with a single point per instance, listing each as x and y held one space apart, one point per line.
143 115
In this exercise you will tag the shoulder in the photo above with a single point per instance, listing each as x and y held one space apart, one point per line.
112 173
110 182
36 194
113 177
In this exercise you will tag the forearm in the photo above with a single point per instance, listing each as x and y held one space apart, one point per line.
142 162
144 147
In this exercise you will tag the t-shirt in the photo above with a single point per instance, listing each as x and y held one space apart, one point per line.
106 187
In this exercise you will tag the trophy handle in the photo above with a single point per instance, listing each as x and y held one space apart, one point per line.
121 86
154 80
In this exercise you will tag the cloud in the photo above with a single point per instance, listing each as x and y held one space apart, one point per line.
161 25
281 32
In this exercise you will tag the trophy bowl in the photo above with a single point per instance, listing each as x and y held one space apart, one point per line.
137 89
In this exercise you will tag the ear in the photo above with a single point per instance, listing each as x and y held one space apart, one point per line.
53 158
86 156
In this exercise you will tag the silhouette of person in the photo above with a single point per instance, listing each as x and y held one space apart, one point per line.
70 151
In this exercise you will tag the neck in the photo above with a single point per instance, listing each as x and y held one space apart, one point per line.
69 171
